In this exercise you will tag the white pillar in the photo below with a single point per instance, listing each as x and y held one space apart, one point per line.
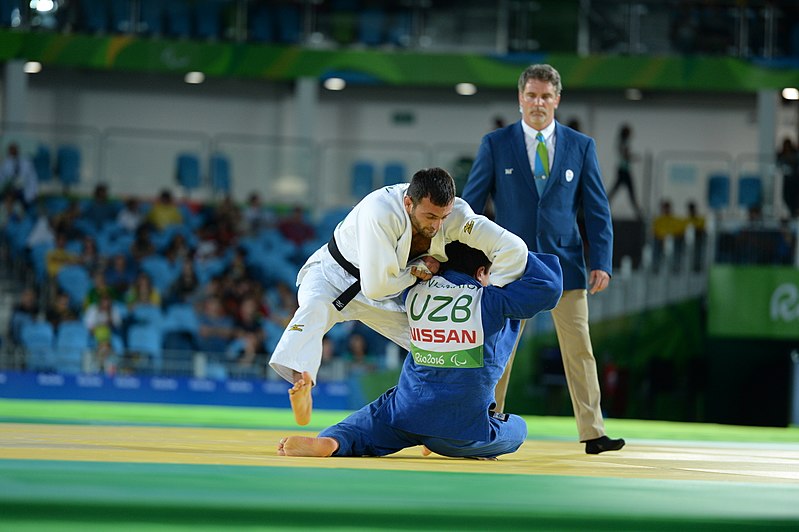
15 89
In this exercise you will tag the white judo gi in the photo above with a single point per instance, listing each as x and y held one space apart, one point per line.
376 238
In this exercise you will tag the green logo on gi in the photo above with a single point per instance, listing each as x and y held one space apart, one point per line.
462 358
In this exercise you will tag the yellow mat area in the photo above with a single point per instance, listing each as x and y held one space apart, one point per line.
656 460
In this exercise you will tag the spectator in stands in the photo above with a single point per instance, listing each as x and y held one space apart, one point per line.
60 310
282 301
697 221
216 328
120 273
25 310
130 217
185 286
59 256
178 249
42 232
142 293
89 256
788 162
10 208
164 212
624 178
103 320
64 222
18 174
101 211
357 354
665 226
333 367
256 216
142 244
100 288
295 228
249 331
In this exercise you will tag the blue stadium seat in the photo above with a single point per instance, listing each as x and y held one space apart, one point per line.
363 179
178 19
94 15
401 29
75 281
151 16
42 164
161 272
39 260
145 314
188 171
371 24
261 19
16 233
393 173
38 341
206 19
718 191
146 340
180 328
289 23
120 16
72 341
219 169
67 165
750 191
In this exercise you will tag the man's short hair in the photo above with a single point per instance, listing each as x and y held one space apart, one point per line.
464 259
546 73
434 183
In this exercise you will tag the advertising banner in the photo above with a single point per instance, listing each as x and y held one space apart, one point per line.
754 302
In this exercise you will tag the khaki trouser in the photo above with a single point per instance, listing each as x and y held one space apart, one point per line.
571 324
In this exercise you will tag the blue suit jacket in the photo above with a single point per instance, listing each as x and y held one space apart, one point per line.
548 224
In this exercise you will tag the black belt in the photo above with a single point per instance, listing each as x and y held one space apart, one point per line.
347 295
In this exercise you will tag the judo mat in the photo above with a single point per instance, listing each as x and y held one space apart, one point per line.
101 466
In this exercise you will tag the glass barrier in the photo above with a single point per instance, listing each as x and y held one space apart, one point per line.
280 169
700 176
347 172
141 162
45 145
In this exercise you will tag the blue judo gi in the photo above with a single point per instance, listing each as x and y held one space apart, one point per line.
449 409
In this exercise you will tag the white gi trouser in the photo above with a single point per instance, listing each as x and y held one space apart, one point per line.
300 347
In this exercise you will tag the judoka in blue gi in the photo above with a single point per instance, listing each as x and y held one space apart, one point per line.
462 333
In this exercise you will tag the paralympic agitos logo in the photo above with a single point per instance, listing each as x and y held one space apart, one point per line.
785 303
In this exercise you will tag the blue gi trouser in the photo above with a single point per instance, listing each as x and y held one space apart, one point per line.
363 433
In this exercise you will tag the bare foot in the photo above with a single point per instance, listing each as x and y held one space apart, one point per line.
305 446
300 398
426 451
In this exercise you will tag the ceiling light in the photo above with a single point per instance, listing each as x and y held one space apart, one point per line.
633 94
335 84
32 67
43 6
790 93
194 77
466 89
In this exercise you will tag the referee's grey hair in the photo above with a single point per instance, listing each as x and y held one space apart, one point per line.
541 73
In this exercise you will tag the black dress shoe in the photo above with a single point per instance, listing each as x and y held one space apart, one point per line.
602 444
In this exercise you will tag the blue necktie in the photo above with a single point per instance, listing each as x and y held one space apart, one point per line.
541 164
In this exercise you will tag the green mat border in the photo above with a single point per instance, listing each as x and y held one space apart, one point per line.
67 495
539 427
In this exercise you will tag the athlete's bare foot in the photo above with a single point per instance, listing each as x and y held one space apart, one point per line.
300 398
426 451
305 446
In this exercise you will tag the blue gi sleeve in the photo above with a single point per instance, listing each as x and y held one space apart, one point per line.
538 289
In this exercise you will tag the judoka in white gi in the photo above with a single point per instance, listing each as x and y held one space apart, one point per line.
391 238
462 335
